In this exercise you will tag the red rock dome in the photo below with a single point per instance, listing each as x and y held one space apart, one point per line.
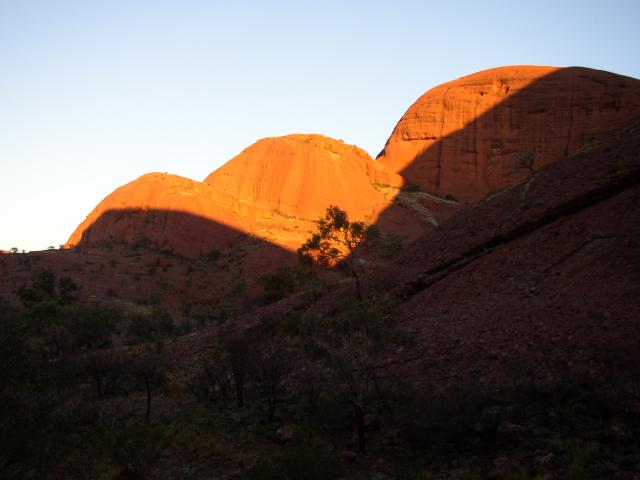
301 175
477 134
160 211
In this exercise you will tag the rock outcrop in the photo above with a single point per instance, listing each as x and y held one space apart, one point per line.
482 132
273 190
300 175
161 211
542 278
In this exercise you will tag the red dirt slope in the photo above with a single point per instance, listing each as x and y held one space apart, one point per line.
541 279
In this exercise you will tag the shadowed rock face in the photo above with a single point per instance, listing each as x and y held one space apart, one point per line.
161 211
465 138
541 279
476 135
274 190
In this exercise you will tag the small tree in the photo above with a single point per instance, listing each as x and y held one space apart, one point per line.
338 240
277 284
213 381
150 368
238 351
150 326
273 364
349 347
105 369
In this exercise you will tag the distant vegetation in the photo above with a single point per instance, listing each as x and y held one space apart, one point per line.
93 391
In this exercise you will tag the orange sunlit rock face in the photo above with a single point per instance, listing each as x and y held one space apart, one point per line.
300 175
273 190
161 211
472 136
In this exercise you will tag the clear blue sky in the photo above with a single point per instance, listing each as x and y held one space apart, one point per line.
95 93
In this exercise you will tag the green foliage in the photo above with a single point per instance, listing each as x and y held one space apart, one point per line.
202 315
389 245
42 289
336 240
150 326
214 255
278 284
25 405
284 281
213 380
349 346
106 370
335 234
60 325
311 461
582 462
273 365
149 369
66 289
15 355
439 422
239 356
138 447
43 314
92 325
524 159
239 286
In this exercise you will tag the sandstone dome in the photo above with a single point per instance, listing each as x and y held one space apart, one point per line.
301 175
160 211
474 135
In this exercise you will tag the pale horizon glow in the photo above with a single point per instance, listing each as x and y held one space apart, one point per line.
95 94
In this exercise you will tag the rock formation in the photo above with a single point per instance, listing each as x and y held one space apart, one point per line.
273 190
459 141
300 175
161 211
482 132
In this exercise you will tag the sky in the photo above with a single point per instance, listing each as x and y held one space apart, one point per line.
94 94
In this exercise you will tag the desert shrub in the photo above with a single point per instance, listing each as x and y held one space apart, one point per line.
106 370
311 461
449 419
223 311
239 286
214 255
213 381
150 326
185 327
42 314
91 325
25 403
277 284
66 289
42 289
149 372
389 245
202 315
343 351
138 447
